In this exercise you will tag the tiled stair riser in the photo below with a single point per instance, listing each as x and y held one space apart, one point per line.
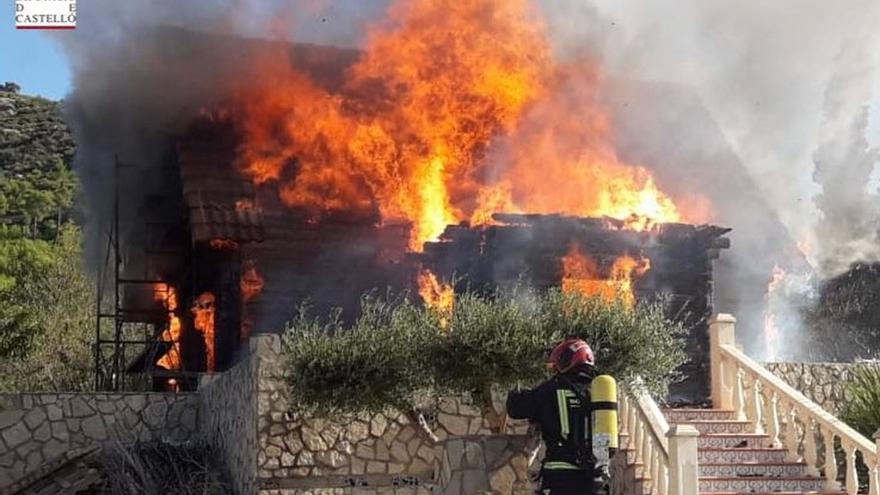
761 485
720 426
737 456
752 469
731 441
688 415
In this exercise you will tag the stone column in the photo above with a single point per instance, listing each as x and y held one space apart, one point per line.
684 473
721 332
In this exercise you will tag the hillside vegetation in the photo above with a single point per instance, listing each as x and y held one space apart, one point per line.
37 186
46 295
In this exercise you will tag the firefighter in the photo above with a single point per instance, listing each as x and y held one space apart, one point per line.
560 407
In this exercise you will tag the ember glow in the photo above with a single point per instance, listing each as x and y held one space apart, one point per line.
436 294
223 244
437 87
251 281
251 285
581 274
203 317
168 296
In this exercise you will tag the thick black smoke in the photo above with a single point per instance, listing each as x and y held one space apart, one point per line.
735 100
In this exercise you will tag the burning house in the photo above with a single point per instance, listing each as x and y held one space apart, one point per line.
669 263
239 260
322 173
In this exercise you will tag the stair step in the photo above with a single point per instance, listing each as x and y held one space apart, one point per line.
732 440
718 425
748 469
685 415
761 484
737 456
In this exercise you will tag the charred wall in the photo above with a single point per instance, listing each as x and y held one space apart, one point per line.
529 249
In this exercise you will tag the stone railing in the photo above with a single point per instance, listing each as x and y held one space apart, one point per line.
667 456
768 403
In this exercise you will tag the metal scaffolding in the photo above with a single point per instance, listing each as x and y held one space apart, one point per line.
130 318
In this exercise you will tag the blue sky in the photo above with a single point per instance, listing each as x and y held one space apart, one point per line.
31 59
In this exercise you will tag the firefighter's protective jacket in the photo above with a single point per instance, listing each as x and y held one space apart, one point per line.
560 406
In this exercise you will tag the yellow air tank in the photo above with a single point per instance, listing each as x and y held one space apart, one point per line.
603 397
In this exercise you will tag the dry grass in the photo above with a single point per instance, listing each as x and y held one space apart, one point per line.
163 468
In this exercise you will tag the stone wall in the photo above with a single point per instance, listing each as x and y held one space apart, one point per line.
38 428
823 383
228 420
270 448
372 452
485 464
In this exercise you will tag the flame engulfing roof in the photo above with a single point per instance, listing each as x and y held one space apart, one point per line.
220 202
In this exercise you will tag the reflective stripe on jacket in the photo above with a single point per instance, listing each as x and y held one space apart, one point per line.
556 406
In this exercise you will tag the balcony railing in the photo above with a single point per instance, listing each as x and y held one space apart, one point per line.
758 396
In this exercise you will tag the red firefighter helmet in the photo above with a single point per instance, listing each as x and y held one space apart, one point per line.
569 354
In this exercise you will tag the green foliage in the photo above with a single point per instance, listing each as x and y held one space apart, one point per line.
628 342
37 186
46 314
46 297
506 338
369 366
496 339
10 87
22 263
398 351
862 412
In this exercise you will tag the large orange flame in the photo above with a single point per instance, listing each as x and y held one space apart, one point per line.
581 274
437 295
167 295
456 109
434 293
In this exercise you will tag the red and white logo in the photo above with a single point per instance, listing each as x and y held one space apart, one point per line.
45 14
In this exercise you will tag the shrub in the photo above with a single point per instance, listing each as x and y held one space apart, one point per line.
505 338
628 342
369 366
862 411
397 351
489 340
47 315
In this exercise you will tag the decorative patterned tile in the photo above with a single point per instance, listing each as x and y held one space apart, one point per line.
760 484
718 426
777 470
729 441
737 456
685 415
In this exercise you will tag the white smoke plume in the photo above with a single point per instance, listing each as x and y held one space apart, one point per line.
766 72
761 68
845 161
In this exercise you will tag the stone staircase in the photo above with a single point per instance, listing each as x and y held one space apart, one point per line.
732 460
762 436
